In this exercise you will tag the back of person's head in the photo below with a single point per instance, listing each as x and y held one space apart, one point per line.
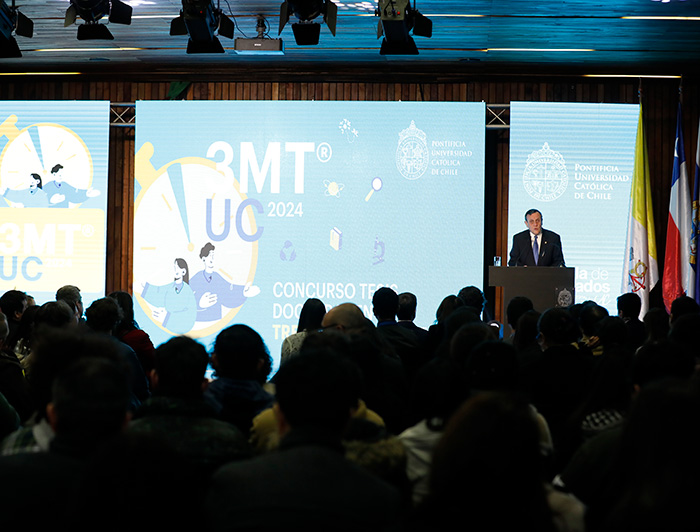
346 317
459 317
318 389
683 305
491 445
240 353
25 329
91 397
656 324
557 327
612 331
311 315
70 294
517 306
103 315
12 304
492 366
467 337
385 303
685 332
407 306
472 297
526 330
180 364
629 305
330 339
446 307
655 361
54 314
126 304
589 317
54 350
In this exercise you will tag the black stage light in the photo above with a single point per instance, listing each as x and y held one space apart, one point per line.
11 20
200 19
92 11
307 32
396 20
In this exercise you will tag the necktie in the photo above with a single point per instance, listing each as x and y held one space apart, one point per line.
535 250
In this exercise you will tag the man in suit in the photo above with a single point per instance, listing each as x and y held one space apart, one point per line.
406 313
536 246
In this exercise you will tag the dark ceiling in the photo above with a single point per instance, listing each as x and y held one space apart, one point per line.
479 36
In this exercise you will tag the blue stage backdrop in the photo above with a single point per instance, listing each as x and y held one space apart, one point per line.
53 196
246 209
574 162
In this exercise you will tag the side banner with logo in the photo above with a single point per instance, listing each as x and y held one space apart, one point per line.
573 162
53 196
244 210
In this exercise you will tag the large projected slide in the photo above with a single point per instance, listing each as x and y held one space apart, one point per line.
53 196
574 162
246 209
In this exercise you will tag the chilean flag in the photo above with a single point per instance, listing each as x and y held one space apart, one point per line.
677 271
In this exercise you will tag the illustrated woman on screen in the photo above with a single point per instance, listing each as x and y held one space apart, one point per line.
175 304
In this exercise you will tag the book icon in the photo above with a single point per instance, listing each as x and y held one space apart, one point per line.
336 238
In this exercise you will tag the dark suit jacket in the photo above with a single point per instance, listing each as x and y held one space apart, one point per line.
307 485
550 250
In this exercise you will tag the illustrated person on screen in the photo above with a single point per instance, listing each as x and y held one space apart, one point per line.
61 193
175 302
212 291
548 244
32 196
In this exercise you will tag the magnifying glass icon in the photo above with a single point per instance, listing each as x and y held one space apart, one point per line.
376 185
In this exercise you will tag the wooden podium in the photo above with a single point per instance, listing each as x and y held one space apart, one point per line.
545 286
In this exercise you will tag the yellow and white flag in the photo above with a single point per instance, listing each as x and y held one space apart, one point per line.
641 271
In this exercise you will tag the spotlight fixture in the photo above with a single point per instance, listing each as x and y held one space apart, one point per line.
397 19
11 20
307 32
263 44
200 20
91 11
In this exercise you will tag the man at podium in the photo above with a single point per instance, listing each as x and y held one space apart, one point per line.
536 246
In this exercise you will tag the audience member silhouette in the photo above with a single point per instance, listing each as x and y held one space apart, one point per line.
310 319
629 306
488 472
242 364
129 332
89 406
102 316
404 342
307 484
178 415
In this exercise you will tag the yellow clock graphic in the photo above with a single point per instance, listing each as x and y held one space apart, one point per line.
195 244
54 153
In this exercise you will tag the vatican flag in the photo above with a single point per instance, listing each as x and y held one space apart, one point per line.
641 271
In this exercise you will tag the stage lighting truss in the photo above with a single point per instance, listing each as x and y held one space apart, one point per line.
202 21
306 31
396 20
92 11
12 21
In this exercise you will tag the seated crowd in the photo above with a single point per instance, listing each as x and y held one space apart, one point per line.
571 420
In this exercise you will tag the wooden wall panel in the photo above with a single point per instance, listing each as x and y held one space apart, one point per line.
659 97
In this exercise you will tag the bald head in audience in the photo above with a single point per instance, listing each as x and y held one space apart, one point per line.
346 317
